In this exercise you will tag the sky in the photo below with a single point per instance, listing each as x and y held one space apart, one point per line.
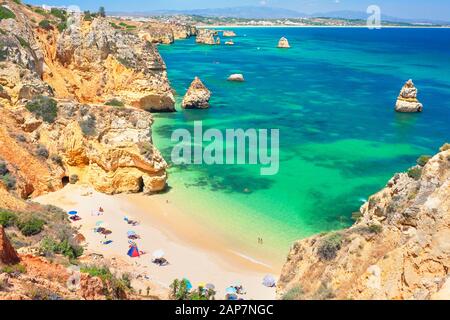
426 9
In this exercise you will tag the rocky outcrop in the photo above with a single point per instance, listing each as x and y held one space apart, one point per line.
407 100
206 36
197 96
228 33
236 77
8 254
95 62
229 43
157 33
283 43
399 248
182 31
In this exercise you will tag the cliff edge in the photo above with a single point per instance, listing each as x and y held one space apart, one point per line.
398 249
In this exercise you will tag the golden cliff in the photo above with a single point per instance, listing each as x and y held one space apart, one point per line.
74 102
398 249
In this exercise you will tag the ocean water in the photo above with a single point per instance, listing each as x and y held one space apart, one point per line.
332 97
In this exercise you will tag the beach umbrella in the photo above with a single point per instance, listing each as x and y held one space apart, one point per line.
72 213
210 286
201 285
237 284
158 254
269 281
131 233
133 252
232 296
231 290
188 284
99 223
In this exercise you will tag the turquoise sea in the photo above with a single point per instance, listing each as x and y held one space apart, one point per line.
332 97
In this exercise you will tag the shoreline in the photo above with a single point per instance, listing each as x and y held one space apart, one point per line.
193 250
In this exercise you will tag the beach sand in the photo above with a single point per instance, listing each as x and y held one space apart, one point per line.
193 249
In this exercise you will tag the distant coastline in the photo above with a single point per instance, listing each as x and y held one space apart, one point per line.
328 27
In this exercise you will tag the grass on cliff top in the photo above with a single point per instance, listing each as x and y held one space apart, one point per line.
118 287
5 13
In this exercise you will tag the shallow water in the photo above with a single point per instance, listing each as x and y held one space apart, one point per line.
332 97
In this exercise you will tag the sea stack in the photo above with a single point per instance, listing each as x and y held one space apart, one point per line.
407 100
229 33
197 96
206 36
283 43
229 43
236 77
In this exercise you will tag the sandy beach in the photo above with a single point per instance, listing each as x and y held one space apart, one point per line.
193 250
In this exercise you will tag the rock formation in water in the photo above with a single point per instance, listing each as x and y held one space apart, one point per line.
197 96
407 100
229 43
206 36
228 33
283 43
236 77
398 249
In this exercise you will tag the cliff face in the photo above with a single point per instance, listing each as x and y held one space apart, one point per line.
53 90
399 248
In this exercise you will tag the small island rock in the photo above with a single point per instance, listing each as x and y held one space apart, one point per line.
229 33
197 96
229 43
236 77
283 43
407 100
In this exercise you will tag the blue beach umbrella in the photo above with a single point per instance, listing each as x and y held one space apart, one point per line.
131 233
188 284
231 290
72 213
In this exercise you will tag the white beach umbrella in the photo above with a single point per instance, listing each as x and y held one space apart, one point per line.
158 254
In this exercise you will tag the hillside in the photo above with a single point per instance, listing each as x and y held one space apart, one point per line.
398 249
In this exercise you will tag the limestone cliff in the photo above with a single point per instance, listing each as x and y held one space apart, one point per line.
197 96
398 249
73 103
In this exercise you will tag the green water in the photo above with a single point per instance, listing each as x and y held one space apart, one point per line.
331 96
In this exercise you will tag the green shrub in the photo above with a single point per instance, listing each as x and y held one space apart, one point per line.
356 215
87 16
42 151
57 159
115 103
3 55
5 176
18 1
62 26
30 226
119 286
415 173
423 160
5 13
40 11
295 293
44 107
329 246
61 14
73 179
24 43
375 228
180 291
87 125
46 25
64 247
13 269
115 26
7 218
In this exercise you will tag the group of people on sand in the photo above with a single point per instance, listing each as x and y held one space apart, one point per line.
260 240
